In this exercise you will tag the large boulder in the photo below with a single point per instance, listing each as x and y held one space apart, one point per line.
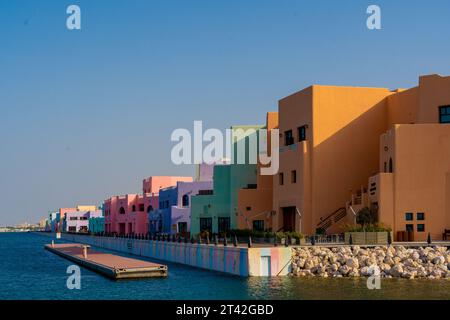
352 263
396 271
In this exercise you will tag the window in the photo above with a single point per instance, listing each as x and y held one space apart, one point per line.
206 224
302 133
258 225
122 210
391 166
409 228
224 225
444 114
409 216
248 208
182 227
281 178
133 208
288 138
141 207
420 216
185 201
294 176
420 228
149 208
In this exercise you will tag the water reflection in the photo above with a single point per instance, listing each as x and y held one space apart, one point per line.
346 289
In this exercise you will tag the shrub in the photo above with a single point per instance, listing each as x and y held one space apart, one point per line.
373 227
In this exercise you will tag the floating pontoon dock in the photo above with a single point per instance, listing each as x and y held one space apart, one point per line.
111 266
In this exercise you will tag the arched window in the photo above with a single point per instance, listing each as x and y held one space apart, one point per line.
185 201
149 209
391 166
133 208
122 210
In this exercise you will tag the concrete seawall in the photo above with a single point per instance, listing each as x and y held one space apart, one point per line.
241 261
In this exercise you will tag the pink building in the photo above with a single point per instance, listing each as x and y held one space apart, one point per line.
128 214
78 221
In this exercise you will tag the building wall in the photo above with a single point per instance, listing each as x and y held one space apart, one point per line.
339 154
77 221
212 206
227 181
256 204
420 170
97 225
180 213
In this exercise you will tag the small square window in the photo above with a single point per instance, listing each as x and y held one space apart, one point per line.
281 178
249 208
294 176
409 216
409 228
420 216
420 228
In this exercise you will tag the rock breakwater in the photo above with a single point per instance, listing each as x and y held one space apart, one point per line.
388 262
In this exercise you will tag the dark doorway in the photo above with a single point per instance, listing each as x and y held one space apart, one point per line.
288 219
121 228
206 225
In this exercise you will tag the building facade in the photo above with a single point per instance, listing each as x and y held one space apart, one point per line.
96 225
255 203
174 214
78 221
217 211
128 214
333 163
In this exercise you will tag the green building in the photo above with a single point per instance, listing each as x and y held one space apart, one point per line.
96 225
217 212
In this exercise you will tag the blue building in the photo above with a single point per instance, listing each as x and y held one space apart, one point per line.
160 220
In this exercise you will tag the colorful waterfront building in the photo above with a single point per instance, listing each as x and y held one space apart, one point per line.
345 148
217 211
61 217
96 224
174 213
78 221
52 222
255 202
128 214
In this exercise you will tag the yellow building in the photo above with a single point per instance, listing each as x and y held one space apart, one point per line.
86 208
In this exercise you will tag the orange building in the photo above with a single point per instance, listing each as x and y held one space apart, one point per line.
343 148
255 203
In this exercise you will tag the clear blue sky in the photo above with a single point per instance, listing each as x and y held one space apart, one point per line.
87 114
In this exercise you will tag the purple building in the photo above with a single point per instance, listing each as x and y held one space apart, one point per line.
78 221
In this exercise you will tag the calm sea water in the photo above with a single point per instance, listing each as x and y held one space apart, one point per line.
27 271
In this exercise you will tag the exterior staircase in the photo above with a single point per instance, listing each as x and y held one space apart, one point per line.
332 219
